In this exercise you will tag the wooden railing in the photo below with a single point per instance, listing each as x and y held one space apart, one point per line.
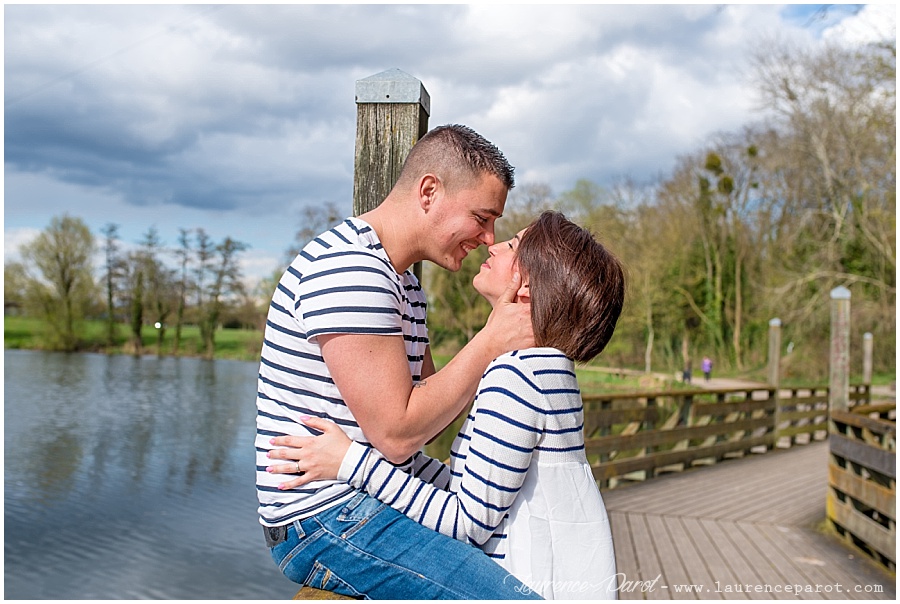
862 480
637 436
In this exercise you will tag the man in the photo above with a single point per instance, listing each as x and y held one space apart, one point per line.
346 340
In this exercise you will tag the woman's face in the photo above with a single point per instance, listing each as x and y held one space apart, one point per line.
497 271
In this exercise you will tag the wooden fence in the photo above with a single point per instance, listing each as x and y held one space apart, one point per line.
862 475
637 436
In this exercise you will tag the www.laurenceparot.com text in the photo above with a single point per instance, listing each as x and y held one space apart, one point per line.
621 584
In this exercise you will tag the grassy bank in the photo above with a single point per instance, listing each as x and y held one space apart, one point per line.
234 344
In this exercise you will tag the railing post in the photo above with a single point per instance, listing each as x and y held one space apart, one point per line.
774 352
868 348
839 363
774 374
650 425
392 109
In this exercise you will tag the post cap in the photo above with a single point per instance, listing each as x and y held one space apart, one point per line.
392 86
867 336
775 323
840 293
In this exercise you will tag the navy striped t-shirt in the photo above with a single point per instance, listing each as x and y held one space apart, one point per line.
342 282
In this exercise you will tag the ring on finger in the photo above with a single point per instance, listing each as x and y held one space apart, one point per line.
299 471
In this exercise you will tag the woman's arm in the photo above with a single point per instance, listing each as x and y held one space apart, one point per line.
320 457
505 426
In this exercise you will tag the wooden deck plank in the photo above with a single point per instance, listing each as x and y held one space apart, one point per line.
795 568
743 522
648 564
673 568
767 491
626 560
768 571
696 564
714 560
809 569
717 558
744 572
795 510
842 564
717 491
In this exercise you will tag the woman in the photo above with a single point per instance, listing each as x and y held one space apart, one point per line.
519 485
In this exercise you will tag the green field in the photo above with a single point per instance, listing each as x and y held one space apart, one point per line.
234 344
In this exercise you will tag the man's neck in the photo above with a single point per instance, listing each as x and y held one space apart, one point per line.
396 232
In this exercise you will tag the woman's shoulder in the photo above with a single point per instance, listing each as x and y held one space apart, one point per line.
535 358
531 362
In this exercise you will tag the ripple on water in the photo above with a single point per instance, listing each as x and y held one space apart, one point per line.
132 479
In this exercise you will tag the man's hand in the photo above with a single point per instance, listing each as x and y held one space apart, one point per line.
398 417
509 324
314 457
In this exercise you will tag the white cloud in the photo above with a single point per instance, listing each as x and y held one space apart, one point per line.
233 117
873 23
14 239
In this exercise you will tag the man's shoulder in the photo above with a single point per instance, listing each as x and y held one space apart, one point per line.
345 248
351 235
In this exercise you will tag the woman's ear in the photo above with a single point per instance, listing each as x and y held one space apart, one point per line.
524 293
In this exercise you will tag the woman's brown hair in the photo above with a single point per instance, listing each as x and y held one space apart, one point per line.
577 286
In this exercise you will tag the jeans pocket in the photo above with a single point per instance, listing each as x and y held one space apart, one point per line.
357 513
322 577
288 555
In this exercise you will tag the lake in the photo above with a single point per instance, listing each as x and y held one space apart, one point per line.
130 478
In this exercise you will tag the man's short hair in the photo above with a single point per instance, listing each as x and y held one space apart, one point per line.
577 286
458 156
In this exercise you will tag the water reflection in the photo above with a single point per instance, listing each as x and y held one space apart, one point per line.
131 478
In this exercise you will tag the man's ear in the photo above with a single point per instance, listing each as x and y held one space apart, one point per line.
429 188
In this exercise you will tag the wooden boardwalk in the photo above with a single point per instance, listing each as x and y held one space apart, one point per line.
743 529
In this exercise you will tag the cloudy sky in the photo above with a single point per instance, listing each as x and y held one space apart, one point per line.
234 117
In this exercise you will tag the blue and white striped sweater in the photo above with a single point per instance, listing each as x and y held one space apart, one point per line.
528 408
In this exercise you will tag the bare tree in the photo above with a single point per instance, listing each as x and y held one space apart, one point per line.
112 274
183 253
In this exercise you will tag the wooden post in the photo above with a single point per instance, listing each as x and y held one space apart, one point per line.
774 374
392 109
774 352
868 348
839 382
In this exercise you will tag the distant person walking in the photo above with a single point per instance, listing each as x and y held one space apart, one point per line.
706 368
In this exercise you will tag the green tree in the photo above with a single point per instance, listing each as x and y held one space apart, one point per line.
62 254
15 287
160 293
831 185
219 263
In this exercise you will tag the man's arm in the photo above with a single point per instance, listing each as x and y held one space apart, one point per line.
372 374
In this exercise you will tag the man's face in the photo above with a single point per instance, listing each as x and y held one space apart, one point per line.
465 219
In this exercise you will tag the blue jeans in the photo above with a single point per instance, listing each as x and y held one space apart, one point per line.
366 548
